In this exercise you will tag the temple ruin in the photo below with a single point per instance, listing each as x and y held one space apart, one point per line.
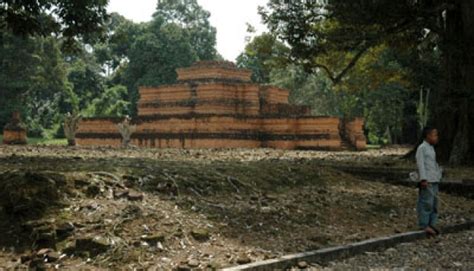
215 105
14 133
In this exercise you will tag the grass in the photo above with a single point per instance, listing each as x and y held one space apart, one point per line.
44 141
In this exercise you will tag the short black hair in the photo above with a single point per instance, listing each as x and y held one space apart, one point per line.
426 131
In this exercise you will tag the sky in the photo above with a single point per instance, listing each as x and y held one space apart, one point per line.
228 16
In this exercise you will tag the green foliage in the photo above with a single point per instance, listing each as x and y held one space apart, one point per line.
157 53
314 29
111 103
189 15
263 54
84 74
308 89
120 36
383 112
178 35
378 54
33 80
17 62
155 56
70 19
377 88
43 141
97 78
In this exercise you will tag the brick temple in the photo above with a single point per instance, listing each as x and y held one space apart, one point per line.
215 105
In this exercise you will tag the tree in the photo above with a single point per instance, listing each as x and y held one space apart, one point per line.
111 103
33 73
17 64
263 54
189 15
85 77
178 35
83 19
380 81
155 56
32 80
313 29
314 90
114 49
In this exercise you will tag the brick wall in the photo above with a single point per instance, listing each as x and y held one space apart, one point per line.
214 72
216 106
218 132
353 131
14 136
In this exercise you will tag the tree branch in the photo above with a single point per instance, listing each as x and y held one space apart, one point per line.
337 78
352 63
367 44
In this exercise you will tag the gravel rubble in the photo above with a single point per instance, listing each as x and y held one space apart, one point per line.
450 251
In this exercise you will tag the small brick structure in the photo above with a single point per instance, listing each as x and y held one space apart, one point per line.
215 105
353 132
14 133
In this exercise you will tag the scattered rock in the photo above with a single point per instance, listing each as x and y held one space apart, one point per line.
120 193
134 196
29 193
302 265
214 265
130 180
37 264
183 268
42 252
64 230
132 210
44 236
154 239
52 256
391 250
243 259
69 248
25 258
79 183
193 263
300 208
92 190
94 246
422 254
201 235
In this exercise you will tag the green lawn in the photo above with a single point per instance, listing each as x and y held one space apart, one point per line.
43 141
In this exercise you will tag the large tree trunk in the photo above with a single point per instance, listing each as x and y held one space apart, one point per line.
454 102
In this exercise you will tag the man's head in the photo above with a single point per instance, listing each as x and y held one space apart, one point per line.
430 135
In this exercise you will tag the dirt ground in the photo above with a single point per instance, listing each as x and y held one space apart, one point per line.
193 209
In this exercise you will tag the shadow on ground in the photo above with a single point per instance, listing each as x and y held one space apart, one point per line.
25 197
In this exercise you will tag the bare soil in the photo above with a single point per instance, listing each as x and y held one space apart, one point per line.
170 209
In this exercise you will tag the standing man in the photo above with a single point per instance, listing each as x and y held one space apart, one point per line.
430 175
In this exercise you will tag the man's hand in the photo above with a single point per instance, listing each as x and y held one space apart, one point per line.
424 184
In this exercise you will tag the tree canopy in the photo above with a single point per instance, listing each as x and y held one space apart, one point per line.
315 30
112 56
70 20
398 64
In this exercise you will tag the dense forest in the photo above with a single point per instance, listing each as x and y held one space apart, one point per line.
398 64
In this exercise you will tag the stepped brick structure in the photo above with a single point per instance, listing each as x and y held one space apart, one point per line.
215 105
14 133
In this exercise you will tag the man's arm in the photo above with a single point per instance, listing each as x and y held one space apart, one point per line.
420 162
